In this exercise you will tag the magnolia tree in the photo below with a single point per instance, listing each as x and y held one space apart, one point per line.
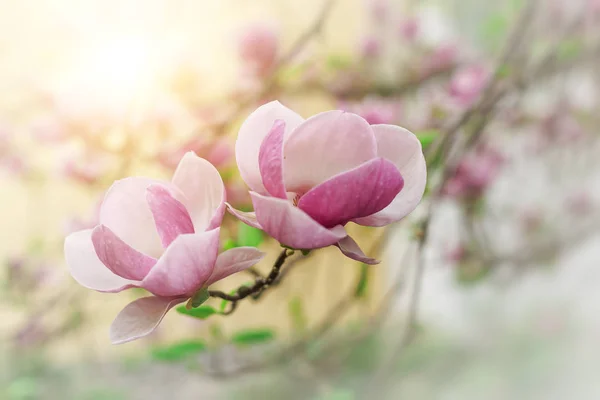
480 108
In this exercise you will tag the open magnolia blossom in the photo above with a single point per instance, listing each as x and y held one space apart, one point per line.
311 177
160 236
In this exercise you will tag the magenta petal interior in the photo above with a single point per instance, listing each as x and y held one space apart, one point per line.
185 266
118 256
356 193
270 160
291 226
170 215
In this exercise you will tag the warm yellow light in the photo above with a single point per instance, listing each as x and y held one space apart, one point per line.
111 77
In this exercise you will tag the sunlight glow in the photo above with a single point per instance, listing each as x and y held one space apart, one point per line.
112 76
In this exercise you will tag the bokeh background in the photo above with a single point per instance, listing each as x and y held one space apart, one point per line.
488 290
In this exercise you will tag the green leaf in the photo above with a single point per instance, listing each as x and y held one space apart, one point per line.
178 351
363 283
249 236
253 336
297 314
199 297
427 137
229 244
201 312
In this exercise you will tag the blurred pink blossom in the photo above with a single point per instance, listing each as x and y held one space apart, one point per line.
475 173
378 9
371 47
258 47
579 203
170 158
467 83
311 177
409 29
220 153
48 130
144 239
442 57
560 127
457 254
84 170
374 110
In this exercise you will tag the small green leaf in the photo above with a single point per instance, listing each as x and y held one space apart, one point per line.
305 252
297 314
363 283
178 351
201 312
249 236
253 336
427 137
229 244
199 297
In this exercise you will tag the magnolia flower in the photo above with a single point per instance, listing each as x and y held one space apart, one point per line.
311 177
160 236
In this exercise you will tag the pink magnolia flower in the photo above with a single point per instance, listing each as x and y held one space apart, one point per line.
160 236
311 177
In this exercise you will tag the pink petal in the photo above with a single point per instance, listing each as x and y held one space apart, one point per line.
125 211
251 135
234 260
249 218
204 191
118 256
324 146
292 226
404 149
140 317
359 192
350 249
170 216
270 160
86 267
186 265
